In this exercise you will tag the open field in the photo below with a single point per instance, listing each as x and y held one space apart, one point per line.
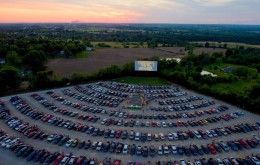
229 44
102 58
142 80
120 44
105 57
199 51
176 50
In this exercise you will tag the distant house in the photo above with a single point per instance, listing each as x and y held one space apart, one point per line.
25 72
89 49
228 69
204 72
178 60
2 61
62 52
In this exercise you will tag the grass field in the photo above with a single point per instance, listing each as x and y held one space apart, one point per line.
239 87
143 80
82 54
229 44
120 44
105 57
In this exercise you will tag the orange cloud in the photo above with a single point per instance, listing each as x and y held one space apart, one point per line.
58 12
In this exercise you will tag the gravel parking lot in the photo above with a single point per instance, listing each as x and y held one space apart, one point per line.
72 111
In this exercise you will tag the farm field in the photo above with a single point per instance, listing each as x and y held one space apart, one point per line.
105 57
119 44
199 51
229 44
102 58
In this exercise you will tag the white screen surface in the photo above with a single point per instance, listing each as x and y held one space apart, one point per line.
146 66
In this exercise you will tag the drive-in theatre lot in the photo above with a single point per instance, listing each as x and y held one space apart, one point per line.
113 122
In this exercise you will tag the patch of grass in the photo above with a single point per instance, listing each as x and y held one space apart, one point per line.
120 44
229 44
82 54
217 68
239 87
143 80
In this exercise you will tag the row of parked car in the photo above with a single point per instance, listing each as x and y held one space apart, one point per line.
93 97
125 115
151 92
24 108
120 114
51 106
182 100
132 123
105 91
164 116
43 156
33 131
164 124
246 160
184 107
31 154
145 151
100 94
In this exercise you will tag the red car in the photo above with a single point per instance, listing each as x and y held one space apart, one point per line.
244 143
118 133
117 162
80 160
212 149
58 159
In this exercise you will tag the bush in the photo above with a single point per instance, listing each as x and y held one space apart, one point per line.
9 78
245 72
103 45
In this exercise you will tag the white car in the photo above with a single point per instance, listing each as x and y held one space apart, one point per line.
160 150
174 150
137 136
170 136
209 134
125 149
182 162
197 162
197 134
166 150
149 137
175 136
162 137
164 124
220 162
99 146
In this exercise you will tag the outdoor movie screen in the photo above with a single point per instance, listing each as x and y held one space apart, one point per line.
146 66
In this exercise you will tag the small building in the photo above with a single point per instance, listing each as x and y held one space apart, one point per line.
203 73
228 69
62 52
2 61
89 48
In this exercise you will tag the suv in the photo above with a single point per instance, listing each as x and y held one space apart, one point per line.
125 149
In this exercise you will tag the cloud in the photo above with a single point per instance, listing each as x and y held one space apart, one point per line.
213 2
145 11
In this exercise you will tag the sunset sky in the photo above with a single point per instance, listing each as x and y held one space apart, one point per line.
131 11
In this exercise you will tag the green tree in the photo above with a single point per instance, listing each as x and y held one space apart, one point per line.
12 58
42 79
9 78
206 45
35 60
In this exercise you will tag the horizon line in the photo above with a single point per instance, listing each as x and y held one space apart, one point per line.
245 24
